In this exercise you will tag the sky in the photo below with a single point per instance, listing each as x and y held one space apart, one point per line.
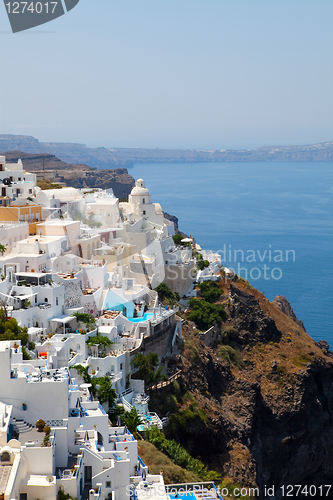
201 74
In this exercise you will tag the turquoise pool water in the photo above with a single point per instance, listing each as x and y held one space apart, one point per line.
183 496
145 317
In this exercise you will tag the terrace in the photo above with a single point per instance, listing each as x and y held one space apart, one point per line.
35 439
44 375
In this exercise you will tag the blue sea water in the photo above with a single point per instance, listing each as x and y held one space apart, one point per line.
283 208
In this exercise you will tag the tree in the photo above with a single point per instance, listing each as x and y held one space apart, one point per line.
147 365
166 295
83 371
177 238
131 419
201 263
205 314
103 343
86 318
3 248
10 330
102 389
210 290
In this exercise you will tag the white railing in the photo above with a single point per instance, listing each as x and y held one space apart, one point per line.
155 420
126 404
127 391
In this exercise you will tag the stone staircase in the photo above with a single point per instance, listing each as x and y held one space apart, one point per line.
21 426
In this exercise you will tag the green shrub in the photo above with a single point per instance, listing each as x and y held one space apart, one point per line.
26 356
205 314
166 295
147 365
201 263
177 238
179 455
210 291
231 355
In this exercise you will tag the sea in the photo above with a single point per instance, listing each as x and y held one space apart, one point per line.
272 222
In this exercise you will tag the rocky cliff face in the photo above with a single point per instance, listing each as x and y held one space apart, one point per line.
48 166
258 402
286 308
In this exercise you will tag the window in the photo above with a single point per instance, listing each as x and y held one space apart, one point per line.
35 299
57 301
46 299
121 366
107 484
5 457
143 200
144 212
0 202
30 191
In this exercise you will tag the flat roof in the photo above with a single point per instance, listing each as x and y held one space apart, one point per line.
58 222
32 275
63 319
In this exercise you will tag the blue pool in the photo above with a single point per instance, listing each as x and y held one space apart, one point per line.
145 317
189 495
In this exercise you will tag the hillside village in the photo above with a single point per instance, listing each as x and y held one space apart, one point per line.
79 269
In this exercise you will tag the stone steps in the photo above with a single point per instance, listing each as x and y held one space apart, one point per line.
21 426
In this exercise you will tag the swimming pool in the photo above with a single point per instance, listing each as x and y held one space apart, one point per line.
145 317
189 495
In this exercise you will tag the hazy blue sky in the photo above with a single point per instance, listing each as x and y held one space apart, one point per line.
172 73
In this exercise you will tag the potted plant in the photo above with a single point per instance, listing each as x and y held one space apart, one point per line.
24 406
40 424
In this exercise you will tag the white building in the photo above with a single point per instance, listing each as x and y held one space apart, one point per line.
82 453
104 209
16 182
59 200
11 232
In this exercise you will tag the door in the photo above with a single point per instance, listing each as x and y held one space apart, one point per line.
87 474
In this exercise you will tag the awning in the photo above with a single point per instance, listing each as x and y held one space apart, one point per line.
23 297
85 386
63 319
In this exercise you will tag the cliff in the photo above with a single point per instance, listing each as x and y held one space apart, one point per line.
110 157
256 403
47 166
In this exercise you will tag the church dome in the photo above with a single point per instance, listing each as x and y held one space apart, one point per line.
140 189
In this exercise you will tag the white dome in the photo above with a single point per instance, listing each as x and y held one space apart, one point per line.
140 189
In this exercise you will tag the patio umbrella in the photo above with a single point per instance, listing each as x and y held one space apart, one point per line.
86 437
78 404
118 422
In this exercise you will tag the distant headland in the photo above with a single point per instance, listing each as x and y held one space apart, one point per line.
103 157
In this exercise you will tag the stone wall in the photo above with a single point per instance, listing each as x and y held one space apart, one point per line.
179 277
